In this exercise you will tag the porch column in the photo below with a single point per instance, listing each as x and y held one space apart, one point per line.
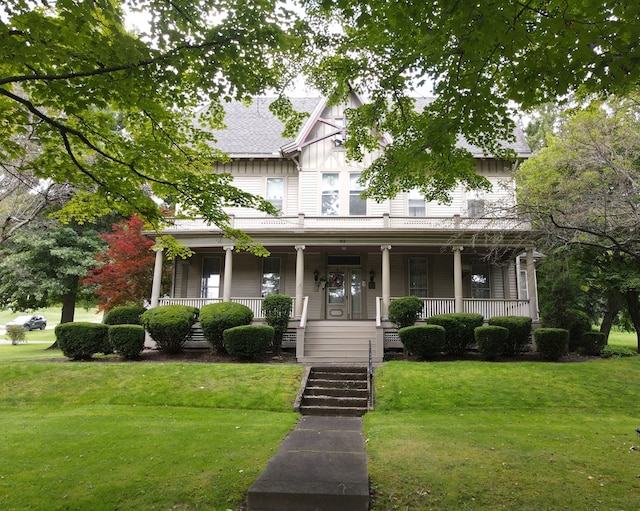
228 270
157 278
532 286
299 279
386 280
457 279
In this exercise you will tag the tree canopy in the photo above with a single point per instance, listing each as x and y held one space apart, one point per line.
43 263
582 192
114 113
482 60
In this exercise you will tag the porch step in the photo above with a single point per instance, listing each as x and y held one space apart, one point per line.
341 342
336 391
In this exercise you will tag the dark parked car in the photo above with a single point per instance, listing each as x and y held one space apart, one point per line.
33 322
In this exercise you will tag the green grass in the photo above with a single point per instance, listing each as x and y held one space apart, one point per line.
627 339
131 436
444 436
518 436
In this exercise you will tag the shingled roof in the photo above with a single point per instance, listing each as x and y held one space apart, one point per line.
253 131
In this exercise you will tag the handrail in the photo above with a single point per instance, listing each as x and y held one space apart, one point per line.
370 377
303 316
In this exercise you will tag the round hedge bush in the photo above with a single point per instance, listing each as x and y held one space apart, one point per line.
552 343
248 341
459 329
519 332
127 340
405 311
592 343
215 318
170 326
125 315
491 340
82 339
424 341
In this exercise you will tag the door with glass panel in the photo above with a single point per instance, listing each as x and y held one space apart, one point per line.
344 293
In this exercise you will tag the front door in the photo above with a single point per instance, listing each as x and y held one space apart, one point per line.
344 293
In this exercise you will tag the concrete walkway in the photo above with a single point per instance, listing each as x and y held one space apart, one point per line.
320 466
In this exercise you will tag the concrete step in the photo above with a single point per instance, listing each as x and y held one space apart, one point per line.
335 401
336 384
334 411
338 392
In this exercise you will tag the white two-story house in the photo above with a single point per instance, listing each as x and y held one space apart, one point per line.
343 258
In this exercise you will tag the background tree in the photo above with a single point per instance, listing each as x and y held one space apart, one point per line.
113 112
124 271
481 59
43 263
583 190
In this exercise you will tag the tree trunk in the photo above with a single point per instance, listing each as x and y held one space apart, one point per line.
68 307
633 305
69 302
614 305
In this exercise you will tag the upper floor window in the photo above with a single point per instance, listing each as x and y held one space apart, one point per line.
417 205
270 276
275 191
330 194
210 286
418 277
341 136
357 205
475 204
480 283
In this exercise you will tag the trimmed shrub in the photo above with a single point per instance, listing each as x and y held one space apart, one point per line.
248 341
552 343
125 315
519 331
16 333
577 323
592 343
170 326
215 318
423 341
491 340
81 340
459 329
277 311
405 311
127 340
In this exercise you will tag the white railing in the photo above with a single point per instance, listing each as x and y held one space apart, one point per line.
374 223
255 304
492 308
489 308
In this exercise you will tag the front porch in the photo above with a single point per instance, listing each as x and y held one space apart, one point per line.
350 342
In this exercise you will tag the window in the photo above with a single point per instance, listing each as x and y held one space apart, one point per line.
210 287
275 191
417 206
270 276
475 208
357 205
480 285
418 277
330 194
523 291
340 137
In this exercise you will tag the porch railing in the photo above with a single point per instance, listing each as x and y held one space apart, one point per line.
489 308
255 304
